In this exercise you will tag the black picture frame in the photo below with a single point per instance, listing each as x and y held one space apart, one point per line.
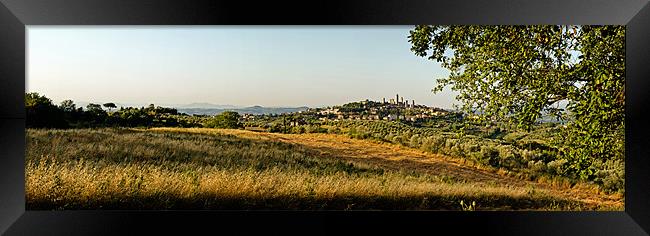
16 15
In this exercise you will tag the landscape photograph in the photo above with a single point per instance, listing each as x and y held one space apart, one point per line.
343 118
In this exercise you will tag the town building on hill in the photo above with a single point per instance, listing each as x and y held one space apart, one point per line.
397 108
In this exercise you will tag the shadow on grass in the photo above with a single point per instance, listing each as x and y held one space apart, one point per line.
211 202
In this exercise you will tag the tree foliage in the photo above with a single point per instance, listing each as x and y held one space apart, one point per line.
518 73
40 112
68 106
227 119
110 105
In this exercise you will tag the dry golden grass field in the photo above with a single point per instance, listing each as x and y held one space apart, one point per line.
200 168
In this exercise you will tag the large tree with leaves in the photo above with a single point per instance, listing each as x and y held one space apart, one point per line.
42 113
227 119
518 73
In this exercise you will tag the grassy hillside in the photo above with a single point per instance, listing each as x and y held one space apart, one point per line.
198 168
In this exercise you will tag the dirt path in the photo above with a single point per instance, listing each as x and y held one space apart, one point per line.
396 157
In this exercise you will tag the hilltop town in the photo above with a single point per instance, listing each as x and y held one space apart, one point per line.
394 109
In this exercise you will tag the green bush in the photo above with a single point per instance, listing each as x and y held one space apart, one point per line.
557 167
334 130
276 128
298 130
435 144
509 157
611 175
316 129
227 119
415 141
537 167
489 156
528 155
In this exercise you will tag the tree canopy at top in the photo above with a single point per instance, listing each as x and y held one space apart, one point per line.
518 73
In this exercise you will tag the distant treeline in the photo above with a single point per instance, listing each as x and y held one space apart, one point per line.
42 113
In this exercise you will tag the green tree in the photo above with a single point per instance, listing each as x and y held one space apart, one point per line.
94 108
72 114
227 119
518 73
96 114
110 106
41 113
68 106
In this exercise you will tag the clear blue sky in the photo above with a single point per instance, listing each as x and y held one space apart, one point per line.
236 65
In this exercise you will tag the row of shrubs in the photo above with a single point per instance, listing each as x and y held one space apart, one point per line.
526 153
302 129
530 156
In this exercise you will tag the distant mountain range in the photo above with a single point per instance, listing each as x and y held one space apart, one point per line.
255 110
212 109
204 105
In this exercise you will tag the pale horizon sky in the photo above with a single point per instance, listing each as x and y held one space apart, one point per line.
270 66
